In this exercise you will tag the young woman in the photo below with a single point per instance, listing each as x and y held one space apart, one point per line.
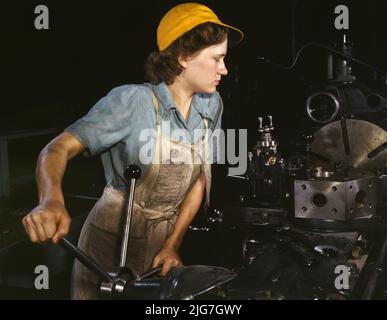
181 97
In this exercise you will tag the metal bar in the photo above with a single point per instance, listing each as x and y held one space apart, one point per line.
125 239
148 273
68 195
344 132
86 260
377 150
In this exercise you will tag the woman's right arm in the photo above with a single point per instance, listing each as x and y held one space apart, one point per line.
50 219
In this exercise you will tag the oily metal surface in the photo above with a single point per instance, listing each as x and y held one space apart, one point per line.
364 137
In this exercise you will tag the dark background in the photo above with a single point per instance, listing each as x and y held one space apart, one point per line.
52 77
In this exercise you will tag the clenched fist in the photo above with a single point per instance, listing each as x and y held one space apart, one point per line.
48 221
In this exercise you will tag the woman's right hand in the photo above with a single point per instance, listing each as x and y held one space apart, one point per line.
49 221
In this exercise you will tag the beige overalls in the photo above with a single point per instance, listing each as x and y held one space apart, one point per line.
156 206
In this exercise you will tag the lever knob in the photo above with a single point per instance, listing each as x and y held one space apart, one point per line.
133 171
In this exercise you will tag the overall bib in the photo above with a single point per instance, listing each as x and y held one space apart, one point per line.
156 206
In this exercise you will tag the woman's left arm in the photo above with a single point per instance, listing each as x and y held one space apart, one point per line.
168 255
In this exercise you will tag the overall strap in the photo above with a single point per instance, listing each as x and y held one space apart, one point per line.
156 106
158 126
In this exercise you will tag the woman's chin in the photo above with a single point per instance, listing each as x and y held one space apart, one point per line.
210 90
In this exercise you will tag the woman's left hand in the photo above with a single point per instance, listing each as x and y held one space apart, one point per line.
168 258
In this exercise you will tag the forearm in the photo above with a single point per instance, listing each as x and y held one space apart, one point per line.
188 210
49 173
49 220
52 164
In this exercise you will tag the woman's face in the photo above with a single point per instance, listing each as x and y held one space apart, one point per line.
203 71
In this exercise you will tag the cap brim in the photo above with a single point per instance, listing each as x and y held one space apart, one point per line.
235 35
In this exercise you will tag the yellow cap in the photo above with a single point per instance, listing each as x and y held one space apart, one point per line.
183 18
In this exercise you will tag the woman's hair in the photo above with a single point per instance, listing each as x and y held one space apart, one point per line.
164 66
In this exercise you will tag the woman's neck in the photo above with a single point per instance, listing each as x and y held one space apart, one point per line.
182 97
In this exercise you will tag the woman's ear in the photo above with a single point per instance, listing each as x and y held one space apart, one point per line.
183 61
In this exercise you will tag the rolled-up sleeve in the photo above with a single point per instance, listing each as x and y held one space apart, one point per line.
109 120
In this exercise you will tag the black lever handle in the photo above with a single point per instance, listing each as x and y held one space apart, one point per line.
132 172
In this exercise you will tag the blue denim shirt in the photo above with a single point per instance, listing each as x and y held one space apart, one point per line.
112 127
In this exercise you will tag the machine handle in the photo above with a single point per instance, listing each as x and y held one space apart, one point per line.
86 260
131 174
148 273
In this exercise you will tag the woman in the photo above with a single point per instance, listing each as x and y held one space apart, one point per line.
181 98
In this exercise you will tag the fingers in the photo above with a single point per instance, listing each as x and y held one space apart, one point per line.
63 229
46 223
168 265
156 262
40 226
168 259
49 228
30 229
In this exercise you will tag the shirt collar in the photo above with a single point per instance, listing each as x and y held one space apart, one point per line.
200 102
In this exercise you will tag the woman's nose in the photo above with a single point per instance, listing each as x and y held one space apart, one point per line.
223 70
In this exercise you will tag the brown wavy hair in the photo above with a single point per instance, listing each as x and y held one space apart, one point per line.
164 66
